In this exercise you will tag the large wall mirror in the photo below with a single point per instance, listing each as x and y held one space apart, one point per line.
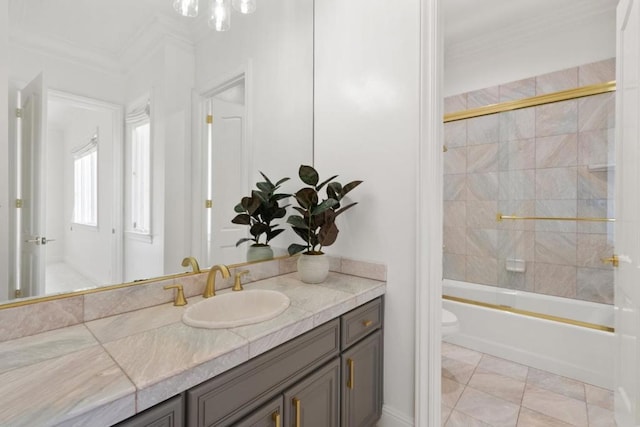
135 131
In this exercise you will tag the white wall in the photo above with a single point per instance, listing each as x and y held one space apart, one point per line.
4 156
55 190
367 127
476 65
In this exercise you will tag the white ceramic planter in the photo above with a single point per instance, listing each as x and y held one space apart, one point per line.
313 268
258 253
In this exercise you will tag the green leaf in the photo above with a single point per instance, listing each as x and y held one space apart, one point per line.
339 211
279 213
302 233
307 198
325 205
239 208
243 219
260 197
319 187
258 228
294 248
273 233
328 234
266 187
308 175
333 190
297 221
265 178
350 186
244 239
279 196
279 183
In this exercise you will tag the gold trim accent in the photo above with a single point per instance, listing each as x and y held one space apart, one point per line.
534 101
297 404
367 323
19 203
531 314
209 119
351 382
179 299
276 419
208 204
500 217
36 300
614 260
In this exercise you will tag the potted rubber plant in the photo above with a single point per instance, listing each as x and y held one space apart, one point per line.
315 222
258 211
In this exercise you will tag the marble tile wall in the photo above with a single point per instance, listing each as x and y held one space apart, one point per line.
550 160
31 319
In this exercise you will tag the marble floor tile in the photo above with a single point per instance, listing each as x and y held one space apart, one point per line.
445 411
599 396
459 372
555 405
600 417
459 419
488 409
504 367
529 418
451 392
497 385
461 354
556 383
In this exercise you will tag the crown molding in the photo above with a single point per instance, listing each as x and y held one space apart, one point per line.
520 32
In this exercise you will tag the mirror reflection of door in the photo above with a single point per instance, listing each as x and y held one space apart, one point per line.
227 171
66 169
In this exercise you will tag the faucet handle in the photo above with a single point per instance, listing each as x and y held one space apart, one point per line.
237 286
179 300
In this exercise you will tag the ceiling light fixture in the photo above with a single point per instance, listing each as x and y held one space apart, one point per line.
219 17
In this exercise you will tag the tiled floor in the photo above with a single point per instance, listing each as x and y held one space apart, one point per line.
479 390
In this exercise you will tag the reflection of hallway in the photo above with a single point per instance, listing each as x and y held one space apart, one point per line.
60 277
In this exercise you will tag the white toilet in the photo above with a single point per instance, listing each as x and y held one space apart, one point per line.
450 323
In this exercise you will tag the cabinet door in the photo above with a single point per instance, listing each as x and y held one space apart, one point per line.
313 402
166 414
269 415
362 382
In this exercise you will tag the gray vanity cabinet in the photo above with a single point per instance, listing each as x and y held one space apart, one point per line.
169 413
268 415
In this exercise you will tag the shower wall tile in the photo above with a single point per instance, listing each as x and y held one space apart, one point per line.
482 214
483 97
455 103
482 270
556 208
455 187
517 154
455 160
482 242
455 214
597 72
596 148
516 244
482 158
517 124
516 280
556 151
594 284
454 266
455 134
517 185
455 240
556 183
556 248
592 248
554 279
482 186
520 89
596 112
557 81
483 130
557 119
593 184
595 208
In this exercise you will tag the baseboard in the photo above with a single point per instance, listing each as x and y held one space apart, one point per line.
393 418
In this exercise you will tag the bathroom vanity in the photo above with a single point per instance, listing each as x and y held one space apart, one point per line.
319 363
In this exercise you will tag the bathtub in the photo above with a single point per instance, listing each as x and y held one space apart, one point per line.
577 352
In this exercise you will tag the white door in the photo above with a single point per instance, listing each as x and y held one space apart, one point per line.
627 226
228 175
32 244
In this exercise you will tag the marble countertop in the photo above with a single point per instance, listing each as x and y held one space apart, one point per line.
103 371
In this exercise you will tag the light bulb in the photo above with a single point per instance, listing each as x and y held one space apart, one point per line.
244 6
220 15
186 7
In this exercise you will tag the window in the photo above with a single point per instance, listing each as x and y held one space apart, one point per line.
85 184
141 177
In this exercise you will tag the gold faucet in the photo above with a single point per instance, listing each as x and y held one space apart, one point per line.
210 289
237 286
191 261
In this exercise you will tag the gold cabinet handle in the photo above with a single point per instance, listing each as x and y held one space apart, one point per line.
351 381
614 260
367 323
276 419
297 404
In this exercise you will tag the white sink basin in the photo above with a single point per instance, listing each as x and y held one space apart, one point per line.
236 309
